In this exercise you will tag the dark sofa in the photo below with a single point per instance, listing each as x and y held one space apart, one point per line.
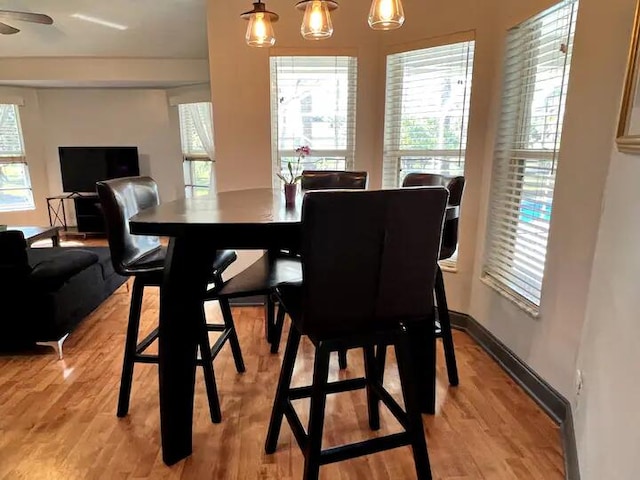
46 292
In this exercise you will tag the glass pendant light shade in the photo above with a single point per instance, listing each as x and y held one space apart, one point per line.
260 31
386 14
316 23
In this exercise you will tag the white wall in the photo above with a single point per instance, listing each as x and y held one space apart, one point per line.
104 117
96 117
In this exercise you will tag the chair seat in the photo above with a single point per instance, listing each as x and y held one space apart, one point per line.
261 277
153 262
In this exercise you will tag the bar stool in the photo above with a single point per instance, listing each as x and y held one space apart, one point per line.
142 257
455 185
367 258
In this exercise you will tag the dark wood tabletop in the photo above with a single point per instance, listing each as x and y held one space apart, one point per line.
259 208
244 219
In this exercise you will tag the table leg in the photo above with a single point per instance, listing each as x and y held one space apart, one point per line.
422 341
187 268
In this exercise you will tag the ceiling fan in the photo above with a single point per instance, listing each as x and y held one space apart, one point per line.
10 15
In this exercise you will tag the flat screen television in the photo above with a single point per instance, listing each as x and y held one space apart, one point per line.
82 167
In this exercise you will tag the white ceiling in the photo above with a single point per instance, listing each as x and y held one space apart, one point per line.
155 28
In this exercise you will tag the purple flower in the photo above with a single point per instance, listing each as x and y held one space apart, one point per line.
303 150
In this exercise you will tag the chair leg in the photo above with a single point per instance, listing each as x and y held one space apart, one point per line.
415 430
209 374
445 325
282 391
372 375
130 347
269 317
277 330
316 414
342 358
233 336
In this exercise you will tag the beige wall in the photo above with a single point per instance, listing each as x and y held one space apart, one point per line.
607 425
54 117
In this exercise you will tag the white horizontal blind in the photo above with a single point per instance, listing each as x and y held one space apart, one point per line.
427 111
192 146
538 57
313 103
15 184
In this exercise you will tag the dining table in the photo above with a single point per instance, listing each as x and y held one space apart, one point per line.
252 219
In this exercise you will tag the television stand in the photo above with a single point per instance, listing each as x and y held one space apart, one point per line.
89 217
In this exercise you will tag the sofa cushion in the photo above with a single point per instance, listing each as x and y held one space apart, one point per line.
52 267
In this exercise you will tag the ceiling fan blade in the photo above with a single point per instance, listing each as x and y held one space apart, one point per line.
7 29
26 17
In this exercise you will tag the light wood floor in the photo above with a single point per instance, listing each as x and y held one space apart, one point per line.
57 418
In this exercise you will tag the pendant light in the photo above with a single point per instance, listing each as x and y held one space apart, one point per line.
260 30
316 23
386 14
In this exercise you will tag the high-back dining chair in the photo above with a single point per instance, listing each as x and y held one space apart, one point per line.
142 257
333 180
367 258
455 185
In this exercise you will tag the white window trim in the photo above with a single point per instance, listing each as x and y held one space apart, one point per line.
21 158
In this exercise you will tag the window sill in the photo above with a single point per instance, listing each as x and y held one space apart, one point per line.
16 210
514 297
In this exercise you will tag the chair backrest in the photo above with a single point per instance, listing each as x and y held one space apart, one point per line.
121 199
13 255
369 258
455 185
333 180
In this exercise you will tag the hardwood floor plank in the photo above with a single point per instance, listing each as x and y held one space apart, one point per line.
57 418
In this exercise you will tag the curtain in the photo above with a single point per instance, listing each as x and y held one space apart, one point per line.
202 116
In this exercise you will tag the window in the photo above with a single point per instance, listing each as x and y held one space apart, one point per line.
427 111
313 103
536 76
196 135
15 184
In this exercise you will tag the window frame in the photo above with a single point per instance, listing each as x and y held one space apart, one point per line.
510 171
190 160
18 158
393 154
348 153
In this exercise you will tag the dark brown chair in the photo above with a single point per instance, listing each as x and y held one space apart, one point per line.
142 257
455 185
367 258
326 180
333 180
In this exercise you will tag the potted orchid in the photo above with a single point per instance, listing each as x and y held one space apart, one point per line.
294 175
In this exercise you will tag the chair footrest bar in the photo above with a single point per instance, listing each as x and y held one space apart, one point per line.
331 387
393 406
147 341
216 327
366 447
145 358
296 426
215 349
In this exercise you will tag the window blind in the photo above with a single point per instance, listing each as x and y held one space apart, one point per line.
313 103
427 111
15 183
536 75
192 146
